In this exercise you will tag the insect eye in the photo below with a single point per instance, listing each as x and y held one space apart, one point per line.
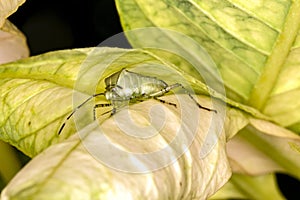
114 91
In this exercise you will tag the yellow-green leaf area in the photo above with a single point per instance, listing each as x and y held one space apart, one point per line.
255 49
238 41
35 93
240 24
270 12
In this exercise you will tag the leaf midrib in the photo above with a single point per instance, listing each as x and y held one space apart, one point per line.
267 80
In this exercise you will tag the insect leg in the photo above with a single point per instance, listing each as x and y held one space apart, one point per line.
100 106
157 99
112 112
78 107
163 101
170 87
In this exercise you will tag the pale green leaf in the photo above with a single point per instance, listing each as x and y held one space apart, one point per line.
256 50
35 95
256 54
27 84
31 122
68 171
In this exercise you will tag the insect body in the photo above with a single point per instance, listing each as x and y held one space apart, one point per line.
125 86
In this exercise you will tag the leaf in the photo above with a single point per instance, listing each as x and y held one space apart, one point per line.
252 53
31 122
74 169
11 165
255 49
256 53
260 147
13 44
34 98
7 7
26 84
260 152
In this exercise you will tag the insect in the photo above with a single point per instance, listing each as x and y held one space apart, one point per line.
125 86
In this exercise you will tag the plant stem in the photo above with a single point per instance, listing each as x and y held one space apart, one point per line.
10 163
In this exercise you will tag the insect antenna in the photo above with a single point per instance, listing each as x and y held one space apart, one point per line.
78 107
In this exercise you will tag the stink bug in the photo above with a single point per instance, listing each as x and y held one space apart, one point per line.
125 86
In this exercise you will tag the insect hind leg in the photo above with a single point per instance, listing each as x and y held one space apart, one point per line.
157 99
176 85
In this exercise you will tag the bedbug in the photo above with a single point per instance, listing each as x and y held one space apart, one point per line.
125 86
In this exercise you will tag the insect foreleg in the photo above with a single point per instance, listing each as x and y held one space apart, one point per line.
100 106
112 112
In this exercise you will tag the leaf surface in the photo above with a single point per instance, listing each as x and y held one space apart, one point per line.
69 170
31 122
34 95
255 49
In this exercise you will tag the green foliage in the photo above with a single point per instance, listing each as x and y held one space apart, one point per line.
255 48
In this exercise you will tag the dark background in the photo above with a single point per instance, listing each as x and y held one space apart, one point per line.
62 24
